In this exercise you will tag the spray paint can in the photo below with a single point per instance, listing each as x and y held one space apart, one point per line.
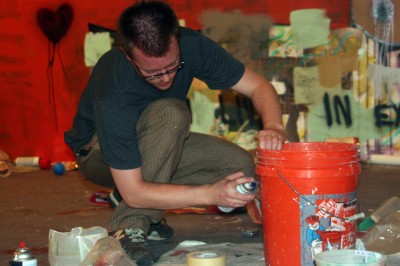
23 257
244 188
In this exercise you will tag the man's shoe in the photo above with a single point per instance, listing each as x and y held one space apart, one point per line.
160 231
134 242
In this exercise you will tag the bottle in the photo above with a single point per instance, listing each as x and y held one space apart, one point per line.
387 207
23 257
34 161
244 188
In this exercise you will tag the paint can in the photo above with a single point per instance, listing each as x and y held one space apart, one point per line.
308 195
245 188
23 257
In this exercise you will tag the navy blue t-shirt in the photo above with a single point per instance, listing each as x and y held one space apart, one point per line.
116 95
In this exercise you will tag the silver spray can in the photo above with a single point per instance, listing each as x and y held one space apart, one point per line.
244 188
23 257
247 188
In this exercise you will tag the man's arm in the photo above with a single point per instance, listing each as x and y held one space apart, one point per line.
266 102
138 193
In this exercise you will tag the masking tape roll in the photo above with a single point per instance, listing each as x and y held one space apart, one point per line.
205 258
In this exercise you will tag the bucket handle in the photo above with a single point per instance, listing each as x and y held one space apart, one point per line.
308 201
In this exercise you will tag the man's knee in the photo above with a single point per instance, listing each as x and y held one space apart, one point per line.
248 163
176 111
169 112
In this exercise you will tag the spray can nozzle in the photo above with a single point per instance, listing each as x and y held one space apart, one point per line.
23 255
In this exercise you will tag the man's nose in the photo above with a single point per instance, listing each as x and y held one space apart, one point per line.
166 77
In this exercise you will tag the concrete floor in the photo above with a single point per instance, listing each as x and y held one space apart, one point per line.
33 202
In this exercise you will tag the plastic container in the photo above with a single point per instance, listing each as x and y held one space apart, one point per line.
350 258
70 248
308 190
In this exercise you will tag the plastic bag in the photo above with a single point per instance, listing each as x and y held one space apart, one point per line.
70 248
106 252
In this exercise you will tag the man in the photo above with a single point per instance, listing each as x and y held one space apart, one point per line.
131 130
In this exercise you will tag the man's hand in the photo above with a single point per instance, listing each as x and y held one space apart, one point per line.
225 194
271 139
266 102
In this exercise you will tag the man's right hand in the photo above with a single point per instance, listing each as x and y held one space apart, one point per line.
225 193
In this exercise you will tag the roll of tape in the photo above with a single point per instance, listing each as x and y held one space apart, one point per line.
205 258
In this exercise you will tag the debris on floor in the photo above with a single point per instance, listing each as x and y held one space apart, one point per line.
386 208
107 251
384 237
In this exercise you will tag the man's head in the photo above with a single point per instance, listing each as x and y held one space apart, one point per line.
149 36
148 26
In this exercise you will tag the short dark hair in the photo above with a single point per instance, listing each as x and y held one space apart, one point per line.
148 26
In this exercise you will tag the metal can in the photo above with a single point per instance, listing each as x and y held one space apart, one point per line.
23 257
244 188
247 188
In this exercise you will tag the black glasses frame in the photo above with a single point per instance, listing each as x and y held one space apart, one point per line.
157 76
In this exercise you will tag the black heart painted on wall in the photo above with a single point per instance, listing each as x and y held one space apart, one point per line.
55 24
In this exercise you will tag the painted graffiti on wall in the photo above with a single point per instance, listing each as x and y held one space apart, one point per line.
341 110
345 93
338 110
387 115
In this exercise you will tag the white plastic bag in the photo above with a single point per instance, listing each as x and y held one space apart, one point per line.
70 248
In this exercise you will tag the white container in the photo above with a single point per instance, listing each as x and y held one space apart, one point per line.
27 161
350 258
70 248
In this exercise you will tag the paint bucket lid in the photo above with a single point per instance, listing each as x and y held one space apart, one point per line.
349 258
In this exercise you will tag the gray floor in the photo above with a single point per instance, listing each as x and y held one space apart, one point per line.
33 202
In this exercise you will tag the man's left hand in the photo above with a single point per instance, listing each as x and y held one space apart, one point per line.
271 139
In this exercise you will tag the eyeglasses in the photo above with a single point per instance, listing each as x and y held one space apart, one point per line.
157 76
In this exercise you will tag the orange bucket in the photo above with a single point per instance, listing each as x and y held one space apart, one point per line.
308 189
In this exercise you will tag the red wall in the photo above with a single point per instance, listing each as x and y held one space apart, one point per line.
31 123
